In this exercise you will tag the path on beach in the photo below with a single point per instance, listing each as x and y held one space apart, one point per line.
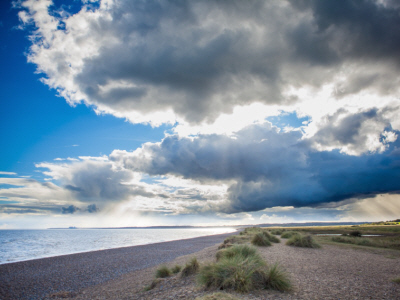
35 279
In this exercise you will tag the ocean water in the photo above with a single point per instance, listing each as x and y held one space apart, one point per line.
20 245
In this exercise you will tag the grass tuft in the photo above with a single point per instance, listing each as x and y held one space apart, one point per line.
152 285
271 238
176 269
242 269
277 231
302 241
163 272
289 234
244 250
274 278
396 280
260 239
190 268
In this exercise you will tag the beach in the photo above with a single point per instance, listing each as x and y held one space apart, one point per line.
331 272
35 279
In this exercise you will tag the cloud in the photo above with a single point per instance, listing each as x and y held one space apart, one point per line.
355 133
160 62
70 209
8 173
264 167
92 208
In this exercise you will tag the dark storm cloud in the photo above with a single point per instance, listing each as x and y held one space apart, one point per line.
364 28
270 168
70 209
203 58
92 208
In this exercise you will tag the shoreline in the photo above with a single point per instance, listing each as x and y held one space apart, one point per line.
37 278
59 251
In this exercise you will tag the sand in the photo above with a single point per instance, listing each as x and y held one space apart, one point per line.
37 278
332 272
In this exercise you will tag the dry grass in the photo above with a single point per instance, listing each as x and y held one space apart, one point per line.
192 267
302 241
242 269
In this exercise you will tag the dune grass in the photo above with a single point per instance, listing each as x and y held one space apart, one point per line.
396 280
192 267
259 239
242 269
163 271
277 231
176 269
244 250
289 234
272 238
306 241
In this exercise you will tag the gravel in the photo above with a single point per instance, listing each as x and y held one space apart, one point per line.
36 279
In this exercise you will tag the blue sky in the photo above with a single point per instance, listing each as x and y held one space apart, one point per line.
117 113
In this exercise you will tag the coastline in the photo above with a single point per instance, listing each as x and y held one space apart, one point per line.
36 279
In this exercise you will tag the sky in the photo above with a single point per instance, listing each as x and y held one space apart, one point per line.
142 113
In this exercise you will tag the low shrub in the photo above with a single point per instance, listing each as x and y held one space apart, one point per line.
191 268
355 233
302 241
176 269
163 272
243 250
289 234
260 239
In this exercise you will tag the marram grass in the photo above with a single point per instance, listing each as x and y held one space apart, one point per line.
306 241
242 269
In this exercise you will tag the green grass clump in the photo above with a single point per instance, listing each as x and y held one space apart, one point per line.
271 238
176 269
396 280
191 268
277 279
260 240
289 234
353 240
244 250
277 231
152 285
163 272
302 241
218 296
251 231
243 271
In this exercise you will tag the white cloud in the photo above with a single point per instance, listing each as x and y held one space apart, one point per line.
7 173
206 65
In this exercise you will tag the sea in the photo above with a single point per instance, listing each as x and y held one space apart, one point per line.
21 245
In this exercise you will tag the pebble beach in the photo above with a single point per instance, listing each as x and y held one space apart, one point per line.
36 279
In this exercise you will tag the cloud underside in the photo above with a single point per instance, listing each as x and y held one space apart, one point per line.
197 63
163 61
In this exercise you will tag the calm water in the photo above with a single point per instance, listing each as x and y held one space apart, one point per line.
19 245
